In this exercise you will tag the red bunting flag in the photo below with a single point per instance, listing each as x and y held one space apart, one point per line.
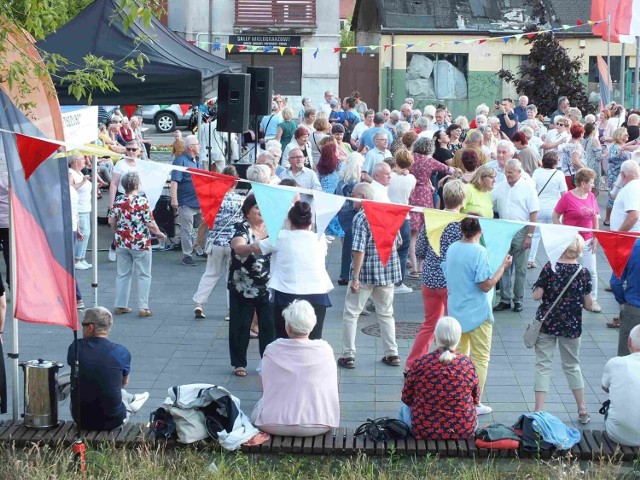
482 41
184 108
336 49
386 46
294 50
130 110
385 219
617 248
242 47
33 151
579 22
530 35
211 188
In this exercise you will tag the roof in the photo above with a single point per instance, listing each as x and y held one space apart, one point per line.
346 8
464 15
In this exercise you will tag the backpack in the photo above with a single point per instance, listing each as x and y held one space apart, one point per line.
349 125
383 429
162 423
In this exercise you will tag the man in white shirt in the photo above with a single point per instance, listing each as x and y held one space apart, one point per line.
380 182
440 122
360 128
376 155
303 176
325 106
621 380
515 199
625 215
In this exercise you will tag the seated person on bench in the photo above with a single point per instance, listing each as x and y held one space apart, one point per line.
621 380
299 380
100 402
440 391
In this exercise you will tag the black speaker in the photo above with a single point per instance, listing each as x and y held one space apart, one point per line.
233 102
261 88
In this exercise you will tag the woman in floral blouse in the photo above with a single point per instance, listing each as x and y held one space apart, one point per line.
441 389
247 285
563 325
132 219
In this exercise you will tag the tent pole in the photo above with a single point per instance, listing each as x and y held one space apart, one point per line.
609 48
621 80
94 227
15 354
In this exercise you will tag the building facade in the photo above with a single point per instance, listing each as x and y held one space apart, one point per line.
312 25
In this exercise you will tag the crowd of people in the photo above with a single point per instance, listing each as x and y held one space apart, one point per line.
509 163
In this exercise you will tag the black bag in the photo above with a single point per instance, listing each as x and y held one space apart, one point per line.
349 125
162 423
383 428
165 216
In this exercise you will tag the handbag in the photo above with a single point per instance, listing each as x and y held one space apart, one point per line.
532 332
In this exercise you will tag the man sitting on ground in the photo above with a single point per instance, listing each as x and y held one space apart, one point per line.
100 401
621 380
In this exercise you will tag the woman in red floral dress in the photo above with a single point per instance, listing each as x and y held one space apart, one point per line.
132 219
441 389
424 165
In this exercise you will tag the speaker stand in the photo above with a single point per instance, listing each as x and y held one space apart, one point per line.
228 148
256 132
211 162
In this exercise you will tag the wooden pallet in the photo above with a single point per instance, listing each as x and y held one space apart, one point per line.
594 444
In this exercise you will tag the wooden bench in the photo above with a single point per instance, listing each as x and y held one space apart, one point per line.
594 444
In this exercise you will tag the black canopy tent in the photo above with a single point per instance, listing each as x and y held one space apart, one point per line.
177 72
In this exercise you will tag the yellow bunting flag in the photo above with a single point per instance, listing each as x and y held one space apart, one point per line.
229 47
435 222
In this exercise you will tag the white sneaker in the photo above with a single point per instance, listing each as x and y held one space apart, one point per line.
82 266
402 288
138 401
86 264
112 255
483 409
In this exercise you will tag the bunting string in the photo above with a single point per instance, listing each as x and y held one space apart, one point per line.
362 49
275 200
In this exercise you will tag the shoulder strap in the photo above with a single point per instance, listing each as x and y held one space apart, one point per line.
545 185
555 302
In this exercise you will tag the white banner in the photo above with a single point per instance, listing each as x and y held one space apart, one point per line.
80 124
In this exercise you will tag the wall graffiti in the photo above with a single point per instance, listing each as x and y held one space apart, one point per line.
484 85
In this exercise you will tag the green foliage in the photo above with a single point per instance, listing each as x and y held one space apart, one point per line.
347 36
40 18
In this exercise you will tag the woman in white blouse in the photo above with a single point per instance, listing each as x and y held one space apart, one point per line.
550 185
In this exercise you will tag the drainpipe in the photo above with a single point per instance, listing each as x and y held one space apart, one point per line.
393 48
210 26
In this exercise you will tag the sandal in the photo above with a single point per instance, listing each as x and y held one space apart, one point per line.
531 265
347 362
240 372
391 360
253 333
414 274
615 323
198 312
583 416
606 224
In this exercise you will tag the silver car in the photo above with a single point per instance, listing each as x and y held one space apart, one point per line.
166 117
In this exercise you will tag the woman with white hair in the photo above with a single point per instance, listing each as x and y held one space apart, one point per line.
481 110
299 380
441 389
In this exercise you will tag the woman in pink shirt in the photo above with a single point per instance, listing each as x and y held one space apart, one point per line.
579 208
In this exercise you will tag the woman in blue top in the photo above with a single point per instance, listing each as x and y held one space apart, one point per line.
470 283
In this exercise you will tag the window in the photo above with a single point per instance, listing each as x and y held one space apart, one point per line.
437 76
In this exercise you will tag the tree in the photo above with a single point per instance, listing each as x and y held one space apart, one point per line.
550 72
41 18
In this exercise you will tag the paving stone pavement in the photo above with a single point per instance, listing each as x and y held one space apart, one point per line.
173 347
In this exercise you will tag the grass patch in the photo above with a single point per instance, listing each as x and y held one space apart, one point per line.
144 462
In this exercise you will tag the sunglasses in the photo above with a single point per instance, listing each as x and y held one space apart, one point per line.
132 149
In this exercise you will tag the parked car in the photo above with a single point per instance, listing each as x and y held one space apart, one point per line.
165 118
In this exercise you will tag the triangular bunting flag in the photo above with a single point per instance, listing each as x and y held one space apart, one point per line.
210 188
373 47
457 42
216 46
386 46
348 49
519 37
385 219
229 47
268 48
274 205
497 235
294 50
129 110
33 151
481 41
435 221
242 48
431 45
315 54
530 35
579 22
566 27
617 248
505 39
326 207
184 108
469 42
409 45
555 239
153 177
281 50
336 49
361 49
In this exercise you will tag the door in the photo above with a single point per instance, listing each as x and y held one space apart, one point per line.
360 72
